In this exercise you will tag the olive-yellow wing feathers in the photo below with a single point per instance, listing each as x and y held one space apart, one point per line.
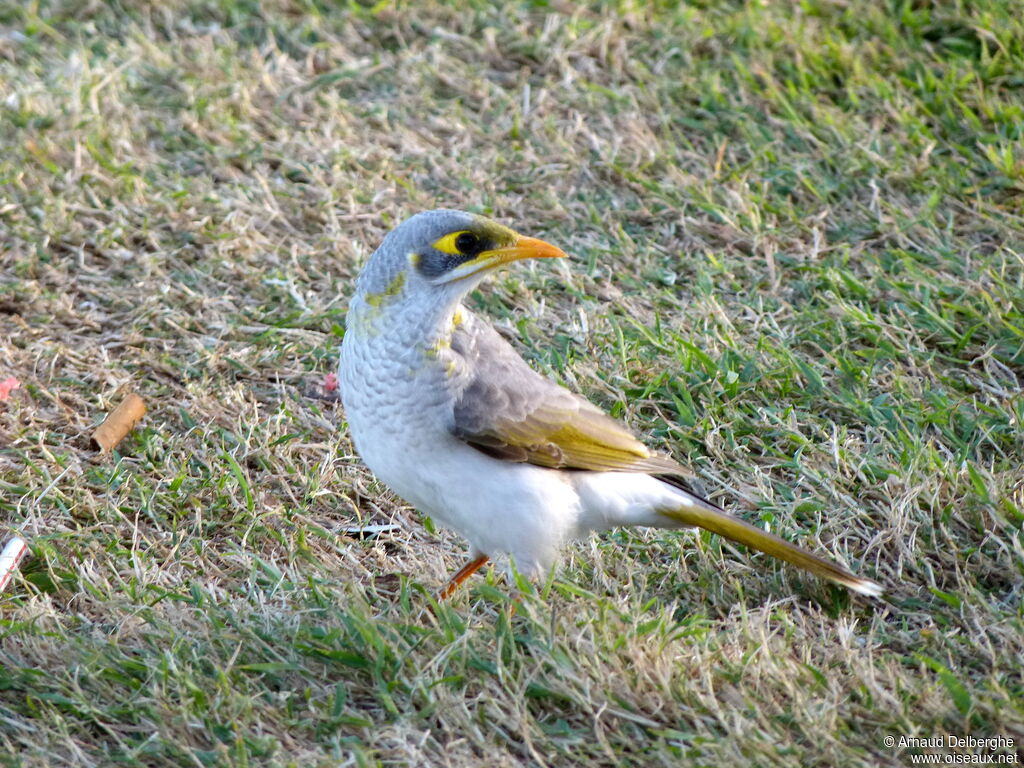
509 411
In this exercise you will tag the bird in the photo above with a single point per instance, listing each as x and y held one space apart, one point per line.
445 412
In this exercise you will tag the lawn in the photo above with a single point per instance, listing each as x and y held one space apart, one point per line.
797 240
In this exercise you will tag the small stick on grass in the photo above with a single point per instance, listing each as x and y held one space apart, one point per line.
119 422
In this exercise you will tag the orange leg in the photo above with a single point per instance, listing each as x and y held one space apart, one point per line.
461 575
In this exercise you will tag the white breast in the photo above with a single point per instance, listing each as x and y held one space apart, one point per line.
399 411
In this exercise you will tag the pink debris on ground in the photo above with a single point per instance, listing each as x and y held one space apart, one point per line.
330 382
10 384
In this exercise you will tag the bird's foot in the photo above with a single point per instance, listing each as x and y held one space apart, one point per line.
461 575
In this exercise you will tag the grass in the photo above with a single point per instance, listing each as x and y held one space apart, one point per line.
798 266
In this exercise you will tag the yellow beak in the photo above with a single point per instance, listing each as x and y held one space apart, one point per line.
522 248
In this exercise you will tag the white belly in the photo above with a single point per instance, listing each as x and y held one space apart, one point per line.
399 411
398 418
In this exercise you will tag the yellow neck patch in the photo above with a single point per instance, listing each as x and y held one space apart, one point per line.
375 303
392 289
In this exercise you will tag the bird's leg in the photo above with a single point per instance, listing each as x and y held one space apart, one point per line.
462 574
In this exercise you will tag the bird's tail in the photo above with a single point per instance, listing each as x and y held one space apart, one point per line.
707 516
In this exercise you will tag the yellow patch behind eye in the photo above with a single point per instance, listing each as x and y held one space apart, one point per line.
447 243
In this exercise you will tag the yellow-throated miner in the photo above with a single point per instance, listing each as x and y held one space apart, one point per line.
450 417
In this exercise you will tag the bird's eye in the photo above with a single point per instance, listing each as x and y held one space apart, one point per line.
461 243
467 242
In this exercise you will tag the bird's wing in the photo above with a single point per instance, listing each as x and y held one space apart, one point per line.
507 410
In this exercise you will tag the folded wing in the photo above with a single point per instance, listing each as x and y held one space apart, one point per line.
509 411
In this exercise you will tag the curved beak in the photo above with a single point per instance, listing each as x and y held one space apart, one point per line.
522 248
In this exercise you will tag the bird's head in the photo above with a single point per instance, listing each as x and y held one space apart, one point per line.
439 256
